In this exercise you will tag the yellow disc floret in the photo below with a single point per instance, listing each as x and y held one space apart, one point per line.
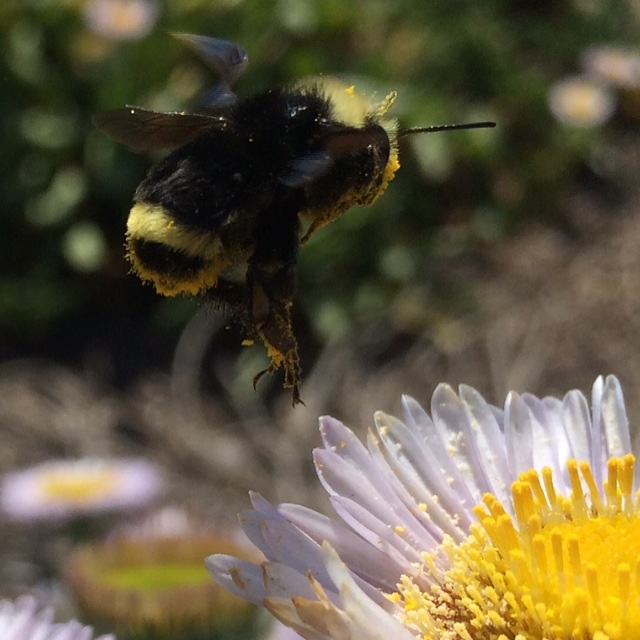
79 488
563 566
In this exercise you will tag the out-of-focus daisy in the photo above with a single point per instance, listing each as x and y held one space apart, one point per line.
24 620
618 66
65 489
121 19
581 102
474 522
150 580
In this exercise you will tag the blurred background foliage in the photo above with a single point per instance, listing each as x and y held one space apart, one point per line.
377 276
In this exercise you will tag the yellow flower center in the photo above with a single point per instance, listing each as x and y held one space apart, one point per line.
80 486
582 102
563 567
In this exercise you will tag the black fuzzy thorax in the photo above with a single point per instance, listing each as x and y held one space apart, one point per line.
230 176
234 172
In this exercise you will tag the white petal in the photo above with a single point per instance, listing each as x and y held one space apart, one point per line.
370 620
454 420
577 420
442 510
364 560
614 418
256 582
518 434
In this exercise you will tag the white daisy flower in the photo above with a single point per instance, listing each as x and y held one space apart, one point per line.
24 620
581 102
150 582
121 19
63 489
615 65
474 522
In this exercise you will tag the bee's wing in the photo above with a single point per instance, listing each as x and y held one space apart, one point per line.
229 59
142 130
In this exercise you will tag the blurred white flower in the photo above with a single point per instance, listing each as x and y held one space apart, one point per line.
152 583
24 620
84 246
474 522
618 66
580 102
63 489
121 19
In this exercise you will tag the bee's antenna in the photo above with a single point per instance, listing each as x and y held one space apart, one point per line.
446 127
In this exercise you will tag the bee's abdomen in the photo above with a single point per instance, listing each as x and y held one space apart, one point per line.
174 258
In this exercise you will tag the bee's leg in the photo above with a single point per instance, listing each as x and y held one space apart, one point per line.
271 284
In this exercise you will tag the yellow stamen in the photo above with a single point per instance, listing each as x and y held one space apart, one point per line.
562 567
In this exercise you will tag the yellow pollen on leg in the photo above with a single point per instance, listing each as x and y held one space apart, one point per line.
562 567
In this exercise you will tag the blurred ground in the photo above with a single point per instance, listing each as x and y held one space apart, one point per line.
558 306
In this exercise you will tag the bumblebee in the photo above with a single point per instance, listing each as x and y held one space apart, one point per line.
248 182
